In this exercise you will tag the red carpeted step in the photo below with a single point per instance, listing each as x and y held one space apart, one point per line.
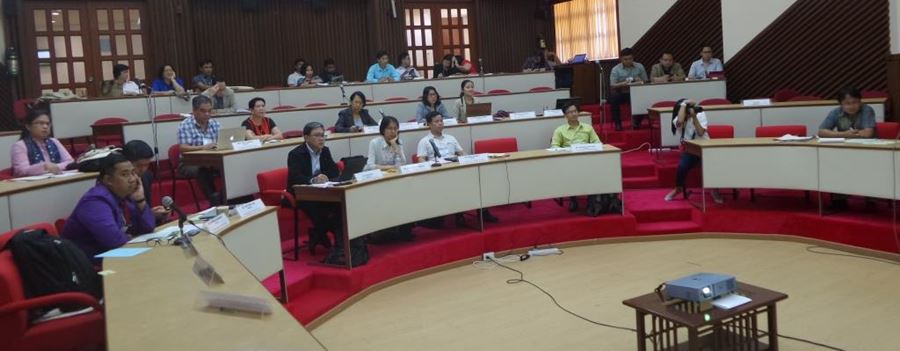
668 227
638 170
314 303
648 182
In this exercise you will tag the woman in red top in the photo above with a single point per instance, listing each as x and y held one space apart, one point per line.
258 125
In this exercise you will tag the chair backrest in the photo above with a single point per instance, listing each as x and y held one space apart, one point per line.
20 108
873 94
12 325
316 104
294 133
6 174
805 98
777 131
110 120
720 131
415 158
498 91
273 180
540 89
174 155
887 130
283 107
4 237
476 93
499 145
397 98
169 117
411 120
784 95
714 102
664 104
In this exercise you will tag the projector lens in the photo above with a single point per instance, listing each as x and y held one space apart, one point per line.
707 291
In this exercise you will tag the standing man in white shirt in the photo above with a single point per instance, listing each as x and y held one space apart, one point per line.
445 144
701 68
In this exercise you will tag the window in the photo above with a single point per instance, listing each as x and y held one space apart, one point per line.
587 26
74 45
433 31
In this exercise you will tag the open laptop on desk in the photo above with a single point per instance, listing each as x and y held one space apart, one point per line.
580 58
479 109
228 136
352 166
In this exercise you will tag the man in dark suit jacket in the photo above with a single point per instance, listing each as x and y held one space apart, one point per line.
346 123
311 163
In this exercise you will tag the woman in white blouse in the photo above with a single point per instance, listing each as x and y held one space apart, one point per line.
466 97
386 151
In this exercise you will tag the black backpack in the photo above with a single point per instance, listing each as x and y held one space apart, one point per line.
50 265
603 204
359 254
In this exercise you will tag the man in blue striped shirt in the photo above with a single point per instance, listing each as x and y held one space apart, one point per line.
200 132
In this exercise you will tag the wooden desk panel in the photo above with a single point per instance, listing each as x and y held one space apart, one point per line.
74 118
857 171
794 167
643 96
300 97
41 201
517 82
446 87
151 303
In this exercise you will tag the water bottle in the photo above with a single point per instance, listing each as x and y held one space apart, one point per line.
397 160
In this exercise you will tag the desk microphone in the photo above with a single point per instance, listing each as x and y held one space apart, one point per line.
480 67
437 154
169 204
343 94
382 113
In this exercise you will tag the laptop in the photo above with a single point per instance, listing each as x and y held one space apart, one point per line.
336 80
580 58
563 102
228 136
352 166
480 109
716 75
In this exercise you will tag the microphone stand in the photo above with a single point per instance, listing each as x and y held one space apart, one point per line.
343 95
151 110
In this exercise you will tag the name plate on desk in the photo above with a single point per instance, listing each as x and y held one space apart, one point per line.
218 223
368 175
756 102
522 115
586 147
553 113
409 125
476 158
371 130
415 167
250 208
246 145
450 122
480 119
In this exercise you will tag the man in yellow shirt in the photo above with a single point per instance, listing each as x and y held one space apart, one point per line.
573 132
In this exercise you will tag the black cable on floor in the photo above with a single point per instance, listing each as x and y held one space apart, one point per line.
813 249
522 279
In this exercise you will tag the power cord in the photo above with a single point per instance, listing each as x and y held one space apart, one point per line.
522 279
814 249
638 148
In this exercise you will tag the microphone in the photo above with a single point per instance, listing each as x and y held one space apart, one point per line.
343 94
480 66
437 154
169 204
382 113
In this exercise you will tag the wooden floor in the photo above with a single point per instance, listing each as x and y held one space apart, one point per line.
850 303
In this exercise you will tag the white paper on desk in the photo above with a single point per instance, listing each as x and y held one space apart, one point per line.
371 130
409 125
415 167
587 147
250 208
45 176
218 223
728 302
123 252
450 122
553 113
246 145
470 159
368 175
791 137
831 140
870 141
522 115
480 119
161 234
756 102
559 149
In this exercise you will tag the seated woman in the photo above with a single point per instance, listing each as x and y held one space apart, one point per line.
431 102
689 122
447 67
311 163
258 125
386 151
354 118
36 152
167 81
405 68
309 79
466 97
112 211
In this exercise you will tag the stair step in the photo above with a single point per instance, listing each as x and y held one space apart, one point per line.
647 182
315 303
664 214
638 170
668 227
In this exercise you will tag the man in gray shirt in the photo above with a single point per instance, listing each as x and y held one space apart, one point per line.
852 119
622 76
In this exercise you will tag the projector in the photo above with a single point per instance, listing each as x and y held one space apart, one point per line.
700 287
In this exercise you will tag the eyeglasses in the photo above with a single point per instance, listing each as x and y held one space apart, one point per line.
317 135
162 241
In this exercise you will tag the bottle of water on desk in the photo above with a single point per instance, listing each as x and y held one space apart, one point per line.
398 161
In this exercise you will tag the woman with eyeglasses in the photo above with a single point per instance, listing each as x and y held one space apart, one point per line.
36 152
354 118
386 151
431 102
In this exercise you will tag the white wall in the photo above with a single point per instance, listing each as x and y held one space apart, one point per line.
743 20
637 16
895 26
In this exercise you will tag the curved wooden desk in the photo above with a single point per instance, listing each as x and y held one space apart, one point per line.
853 169
452 188
24 203
239 168
151 298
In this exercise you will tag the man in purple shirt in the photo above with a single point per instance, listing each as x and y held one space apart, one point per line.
110 211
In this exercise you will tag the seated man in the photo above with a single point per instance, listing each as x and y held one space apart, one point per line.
329 71
573 132
852 119
667 70
311 163
112 210
222 97
141 156
437 145
622 76
296 77
200 132
205 79
382 71
707 64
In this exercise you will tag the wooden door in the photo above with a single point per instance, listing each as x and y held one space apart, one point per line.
437 29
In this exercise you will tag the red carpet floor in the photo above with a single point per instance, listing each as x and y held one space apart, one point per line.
315 289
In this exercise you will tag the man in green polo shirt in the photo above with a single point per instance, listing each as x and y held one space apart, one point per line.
573 132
